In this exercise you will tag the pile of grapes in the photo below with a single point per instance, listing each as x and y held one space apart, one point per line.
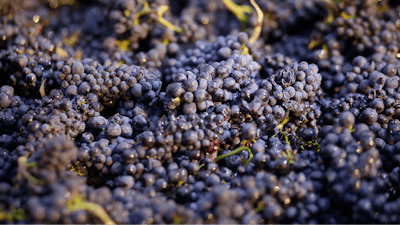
199 111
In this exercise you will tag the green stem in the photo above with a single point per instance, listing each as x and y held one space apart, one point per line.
96 210
77 203
257 30
238 10
236 151
23 172
318 145
165 22
259 209
286 137
245 50
145 10
351 128
180 183
281 125
41 89
285 121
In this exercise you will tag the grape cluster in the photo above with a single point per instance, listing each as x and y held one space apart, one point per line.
96 83
206 52
189 111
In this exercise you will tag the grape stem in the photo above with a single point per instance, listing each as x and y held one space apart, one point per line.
286 137
145 10
236 151
23 172
160 12
281 125
76 203
41 89
260 18
201 166
95 209
239 11
245 50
